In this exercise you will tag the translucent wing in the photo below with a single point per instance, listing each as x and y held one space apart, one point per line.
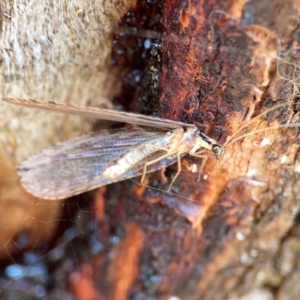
100 113
76 165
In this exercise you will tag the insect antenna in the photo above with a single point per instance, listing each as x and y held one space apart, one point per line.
232 140
290 125
287 69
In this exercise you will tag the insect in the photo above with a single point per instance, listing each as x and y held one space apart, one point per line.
83 163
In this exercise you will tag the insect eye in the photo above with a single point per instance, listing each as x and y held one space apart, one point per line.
217 150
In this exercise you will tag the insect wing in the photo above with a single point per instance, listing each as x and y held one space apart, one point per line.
100 113
77 165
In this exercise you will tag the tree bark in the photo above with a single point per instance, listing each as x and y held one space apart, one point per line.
235 232
53 51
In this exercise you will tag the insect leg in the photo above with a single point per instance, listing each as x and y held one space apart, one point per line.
201 155
153 162
178 171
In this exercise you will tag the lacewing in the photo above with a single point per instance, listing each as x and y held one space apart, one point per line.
92 160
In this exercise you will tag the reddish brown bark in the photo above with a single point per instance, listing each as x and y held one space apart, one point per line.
245 212
236 232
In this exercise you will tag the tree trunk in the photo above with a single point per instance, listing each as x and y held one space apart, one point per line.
234 233
54 51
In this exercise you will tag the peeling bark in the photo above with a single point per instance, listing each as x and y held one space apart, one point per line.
242 233
250 198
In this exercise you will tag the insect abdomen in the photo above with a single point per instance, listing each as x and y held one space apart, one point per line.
132 157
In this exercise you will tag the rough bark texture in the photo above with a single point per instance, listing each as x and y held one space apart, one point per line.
242 235
49 51
256 181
